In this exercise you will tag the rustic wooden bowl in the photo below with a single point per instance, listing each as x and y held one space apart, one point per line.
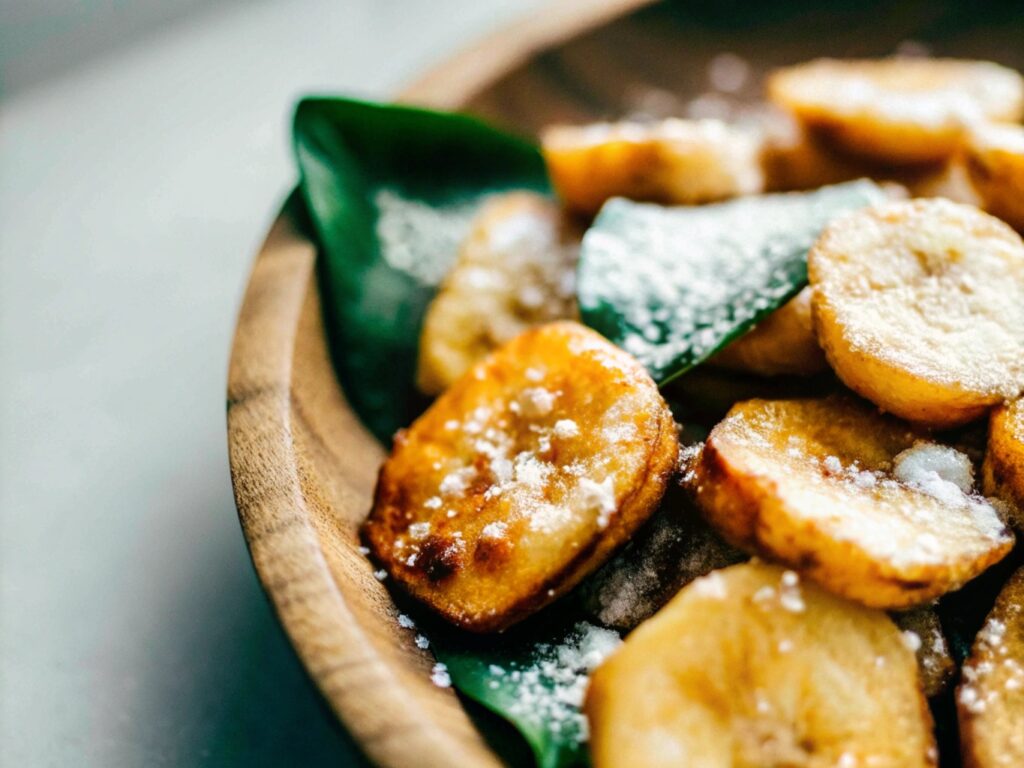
302 465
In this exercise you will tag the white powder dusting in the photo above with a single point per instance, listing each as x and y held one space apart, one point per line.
550 689
456 483
497 530
420 239
912 640
535 402
419 531
933 468
715 266
566 428
596 497
439 676
405 622
422 642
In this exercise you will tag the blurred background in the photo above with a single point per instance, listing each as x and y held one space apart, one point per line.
143 151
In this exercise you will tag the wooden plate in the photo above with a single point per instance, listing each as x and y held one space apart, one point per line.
303 467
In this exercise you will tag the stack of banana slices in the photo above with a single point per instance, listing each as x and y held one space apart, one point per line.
776 570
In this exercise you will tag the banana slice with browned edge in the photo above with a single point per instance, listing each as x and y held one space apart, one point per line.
898 110
1003 470
783 344
523 477
995 162
922 632
675 547
515 270
990 698
672 162
855 500
919 306
749 668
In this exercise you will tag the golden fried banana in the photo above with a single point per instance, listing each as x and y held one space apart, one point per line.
783 344
749 668
854 500
994 155
523 477
516 269
673 162
919 306
898 110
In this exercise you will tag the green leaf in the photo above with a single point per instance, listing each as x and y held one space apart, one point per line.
390 191
672 286
536 682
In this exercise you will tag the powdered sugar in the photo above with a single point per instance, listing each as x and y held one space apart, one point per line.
549 689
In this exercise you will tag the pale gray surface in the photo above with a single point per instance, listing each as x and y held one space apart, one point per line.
133 193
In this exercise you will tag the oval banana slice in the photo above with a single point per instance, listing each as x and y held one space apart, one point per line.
783 344
749 667
1003 470
919 306
922 633
673 162
523 477
852 499
995 163
898 110
516 269
990 698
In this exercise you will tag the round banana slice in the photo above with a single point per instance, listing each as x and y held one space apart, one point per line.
990 699
995 162
852 499
748 668
523 477
922 633
783 344
898 110
1003 470
672 162
516 269
919 306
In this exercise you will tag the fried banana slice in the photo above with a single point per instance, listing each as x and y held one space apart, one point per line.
673 162
1003 470
990 698
898 110
922 632
783 344
516 269
919 306
523 477
853 499
748 668
674 548
994 155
